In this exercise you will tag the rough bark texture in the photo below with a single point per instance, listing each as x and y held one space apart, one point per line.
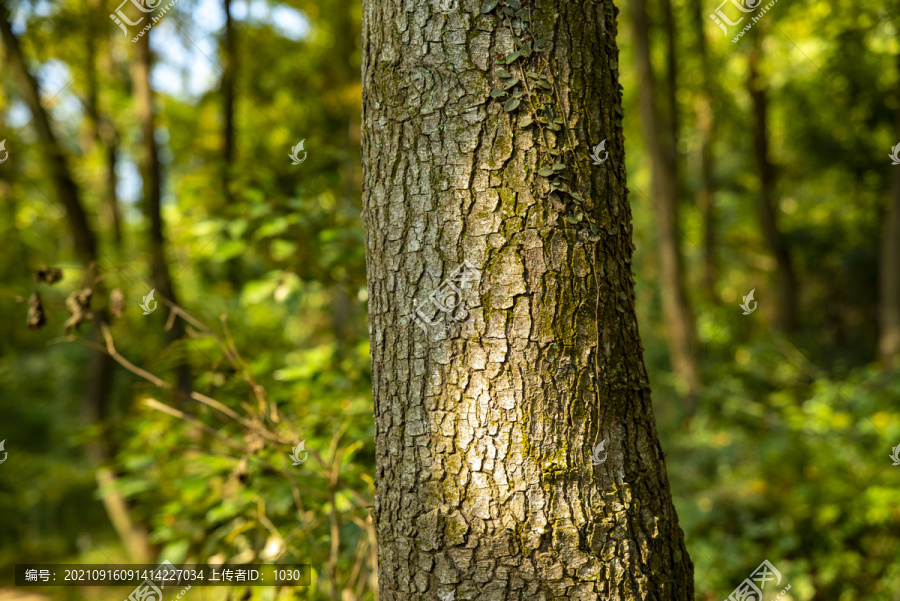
484 479
681 333
889 279
768 207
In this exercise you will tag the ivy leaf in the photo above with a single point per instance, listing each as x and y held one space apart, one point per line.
522 13
558 166
488 6
519 93
576 195
502 73
526 121
512 57
526 49
508 11
533 74
511 104
576 218
510 83
545 171
496 93
514 3
541 45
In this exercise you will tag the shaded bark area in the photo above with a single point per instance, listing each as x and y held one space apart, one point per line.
768 208
485 485
679 318
889 277
98 377
152 176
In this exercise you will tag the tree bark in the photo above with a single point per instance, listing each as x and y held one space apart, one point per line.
679 318
485 485
152 176
768 209
889 288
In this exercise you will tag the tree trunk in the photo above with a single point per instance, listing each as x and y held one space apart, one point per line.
768 209
162 280
679 318
103 130
889 288
95 401
706 127
485 485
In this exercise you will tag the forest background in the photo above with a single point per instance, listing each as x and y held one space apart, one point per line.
777 424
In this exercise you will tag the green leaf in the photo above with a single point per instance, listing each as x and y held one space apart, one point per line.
511 104
502 73
576 195
533 74
513 57
488 6
522 13
545 171
558 166
519 93
510 83
541 45
508 11
496 93
513 3
526 121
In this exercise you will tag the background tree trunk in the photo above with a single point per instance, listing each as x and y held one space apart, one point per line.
103 130
706 128
889 289
484 478
152 176
680 323
768 208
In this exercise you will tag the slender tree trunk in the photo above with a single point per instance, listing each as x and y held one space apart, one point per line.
485 485
679 318
95 402
102 128
706 129
768 209
162 280
889 301
670 27
229 64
